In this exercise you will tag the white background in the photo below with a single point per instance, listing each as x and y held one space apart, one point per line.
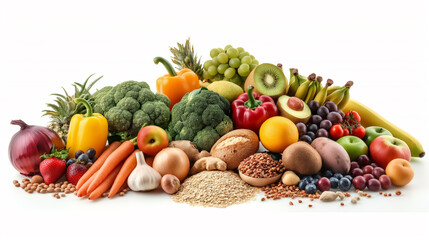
381 45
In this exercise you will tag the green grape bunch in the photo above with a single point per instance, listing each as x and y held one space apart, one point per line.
230 64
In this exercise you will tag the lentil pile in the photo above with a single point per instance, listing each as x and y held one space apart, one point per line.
261 165
279 190
215 189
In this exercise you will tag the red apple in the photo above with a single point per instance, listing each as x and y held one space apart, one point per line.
384 149
152 139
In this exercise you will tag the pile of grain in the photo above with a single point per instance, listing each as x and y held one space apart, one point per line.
215 189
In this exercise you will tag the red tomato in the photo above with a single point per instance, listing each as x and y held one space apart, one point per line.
354 115
336 131
359 132
346 132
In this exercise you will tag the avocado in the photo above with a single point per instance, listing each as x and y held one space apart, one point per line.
294 108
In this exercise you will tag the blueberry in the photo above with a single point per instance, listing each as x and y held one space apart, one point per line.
93 159
83 158
349 177
70 161
317 176
302 184
312 135
338 176
345 184
309 179
306 138
334 182
91 153
310 188
78 153
314 181
328 174
313 128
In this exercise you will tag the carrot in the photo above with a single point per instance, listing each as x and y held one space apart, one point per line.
97 165
117 156
126 170
84 189
106 184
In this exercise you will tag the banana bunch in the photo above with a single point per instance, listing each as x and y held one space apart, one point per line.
310 88
307 89
295 81
341 95
372 118
323 93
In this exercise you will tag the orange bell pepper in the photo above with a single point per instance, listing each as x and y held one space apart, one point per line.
176 85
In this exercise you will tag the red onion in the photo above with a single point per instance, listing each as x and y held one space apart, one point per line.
27 145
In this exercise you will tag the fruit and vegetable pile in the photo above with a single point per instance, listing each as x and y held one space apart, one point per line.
214 134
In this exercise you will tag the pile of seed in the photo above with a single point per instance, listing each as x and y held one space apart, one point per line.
59 189
36 184
215 189
279 190
261 165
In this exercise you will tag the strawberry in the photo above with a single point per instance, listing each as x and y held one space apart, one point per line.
74 172
52 169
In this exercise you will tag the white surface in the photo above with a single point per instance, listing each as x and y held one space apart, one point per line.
381 46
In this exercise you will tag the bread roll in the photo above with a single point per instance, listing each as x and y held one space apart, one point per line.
235 146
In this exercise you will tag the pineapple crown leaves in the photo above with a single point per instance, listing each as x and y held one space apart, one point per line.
64 107
184 57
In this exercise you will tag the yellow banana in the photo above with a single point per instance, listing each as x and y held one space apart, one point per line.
338 95
294 82
331 89
319 80
302 90
322 94
346 97
371 118
311 92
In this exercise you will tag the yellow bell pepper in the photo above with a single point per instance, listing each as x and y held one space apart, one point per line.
87 131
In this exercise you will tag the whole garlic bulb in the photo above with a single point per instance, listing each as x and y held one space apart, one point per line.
143 177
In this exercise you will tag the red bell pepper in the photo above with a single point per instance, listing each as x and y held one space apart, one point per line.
250 110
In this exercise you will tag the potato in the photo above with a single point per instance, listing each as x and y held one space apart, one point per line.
334 156
301 158
235 146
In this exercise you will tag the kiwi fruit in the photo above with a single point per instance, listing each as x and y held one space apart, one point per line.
267 79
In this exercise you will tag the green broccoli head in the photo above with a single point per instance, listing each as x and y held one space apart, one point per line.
130 105
202 116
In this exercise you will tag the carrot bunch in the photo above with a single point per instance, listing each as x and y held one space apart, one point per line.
111 170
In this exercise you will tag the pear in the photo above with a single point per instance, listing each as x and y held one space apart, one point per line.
226 89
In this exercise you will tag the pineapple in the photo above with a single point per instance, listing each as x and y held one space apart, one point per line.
64 107
185 57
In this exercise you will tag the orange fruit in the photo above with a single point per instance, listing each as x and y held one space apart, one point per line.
400 172
277 133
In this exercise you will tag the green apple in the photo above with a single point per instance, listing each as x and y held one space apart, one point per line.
354 146
372 132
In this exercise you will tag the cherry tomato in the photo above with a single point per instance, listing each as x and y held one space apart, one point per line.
359 132
346 132
336 131
354 115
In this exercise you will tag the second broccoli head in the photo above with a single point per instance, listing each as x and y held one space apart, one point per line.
130 105
202 116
